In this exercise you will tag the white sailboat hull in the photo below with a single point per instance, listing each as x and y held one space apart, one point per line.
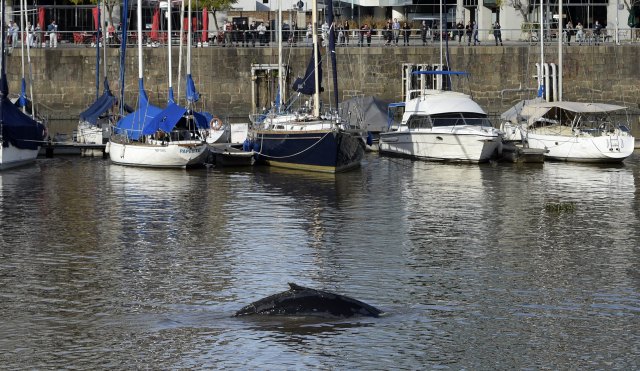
222 135
11 156
454 144
180 154
606 148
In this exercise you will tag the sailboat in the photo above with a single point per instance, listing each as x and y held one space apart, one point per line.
20 134
95 121
568 131
305 139
439 124
152 137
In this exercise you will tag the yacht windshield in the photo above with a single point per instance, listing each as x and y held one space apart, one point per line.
460 118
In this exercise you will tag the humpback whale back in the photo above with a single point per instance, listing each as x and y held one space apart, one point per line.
304 301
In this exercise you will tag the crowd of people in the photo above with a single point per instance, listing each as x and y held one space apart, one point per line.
35 36
393 32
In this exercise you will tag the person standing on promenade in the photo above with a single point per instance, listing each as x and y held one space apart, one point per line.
460 28
396 30
406 32
497 33
262 33
345 28
52 30
579 33
569 31
244 33
475 33
37 36
424 30
597 29
14 30
469 32
387 32
365 32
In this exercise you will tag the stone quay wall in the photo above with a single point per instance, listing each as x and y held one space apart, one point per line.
64 78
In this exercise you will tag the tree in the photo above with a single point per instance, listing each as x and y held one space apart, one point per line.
216 5
523 6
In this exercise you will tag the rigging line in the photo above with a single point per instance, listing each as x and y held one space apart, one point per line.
295 154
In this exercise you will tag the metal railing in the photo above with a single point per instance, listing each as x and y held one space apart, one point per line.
353 38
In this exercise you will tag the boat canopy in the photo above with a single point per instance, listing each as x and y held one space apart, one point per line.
133 123
368 113
442 102
534 111
169 117
99 107
17 128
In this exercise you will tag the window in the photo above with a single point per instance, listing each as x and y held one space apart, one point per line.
419 122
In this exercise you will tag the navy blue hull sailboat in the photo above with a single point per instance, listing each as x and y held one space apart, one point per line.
305 139
20 135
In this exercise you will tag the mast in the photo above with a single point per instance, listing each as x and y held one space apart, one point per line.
314 35
4 88
189 40
559 97
139 25
33 108
169 46
123 51
23 100
98 53
332 51
440 36
541 39
280 75
180 46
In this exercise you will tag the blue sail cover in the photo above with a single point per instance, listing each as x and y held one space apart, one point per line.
169 117
192 93
133 124
99 107
307 85
18 128
22 101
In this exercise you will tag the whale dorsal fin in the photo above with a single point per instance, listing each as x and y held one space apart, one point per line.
295 287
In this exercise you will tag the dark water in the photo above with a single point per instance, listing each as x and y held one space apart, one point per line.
112 267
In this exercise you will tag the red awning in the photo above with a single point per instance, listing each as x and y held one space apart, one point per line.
41 17
96 17
205 25
155 25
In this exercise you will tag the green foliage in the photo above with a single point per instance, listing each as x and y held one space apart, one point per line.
215 5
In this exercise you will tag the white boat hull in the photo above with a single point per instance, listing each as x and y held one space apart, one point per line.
11 156
440 146
92 134
606 148
174 155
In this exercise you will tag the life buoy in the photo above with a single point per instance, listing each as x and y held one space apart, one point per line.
215 123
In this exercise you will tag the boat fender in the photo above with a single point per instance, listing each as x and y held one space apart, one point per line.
369 138
246 145
107 147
